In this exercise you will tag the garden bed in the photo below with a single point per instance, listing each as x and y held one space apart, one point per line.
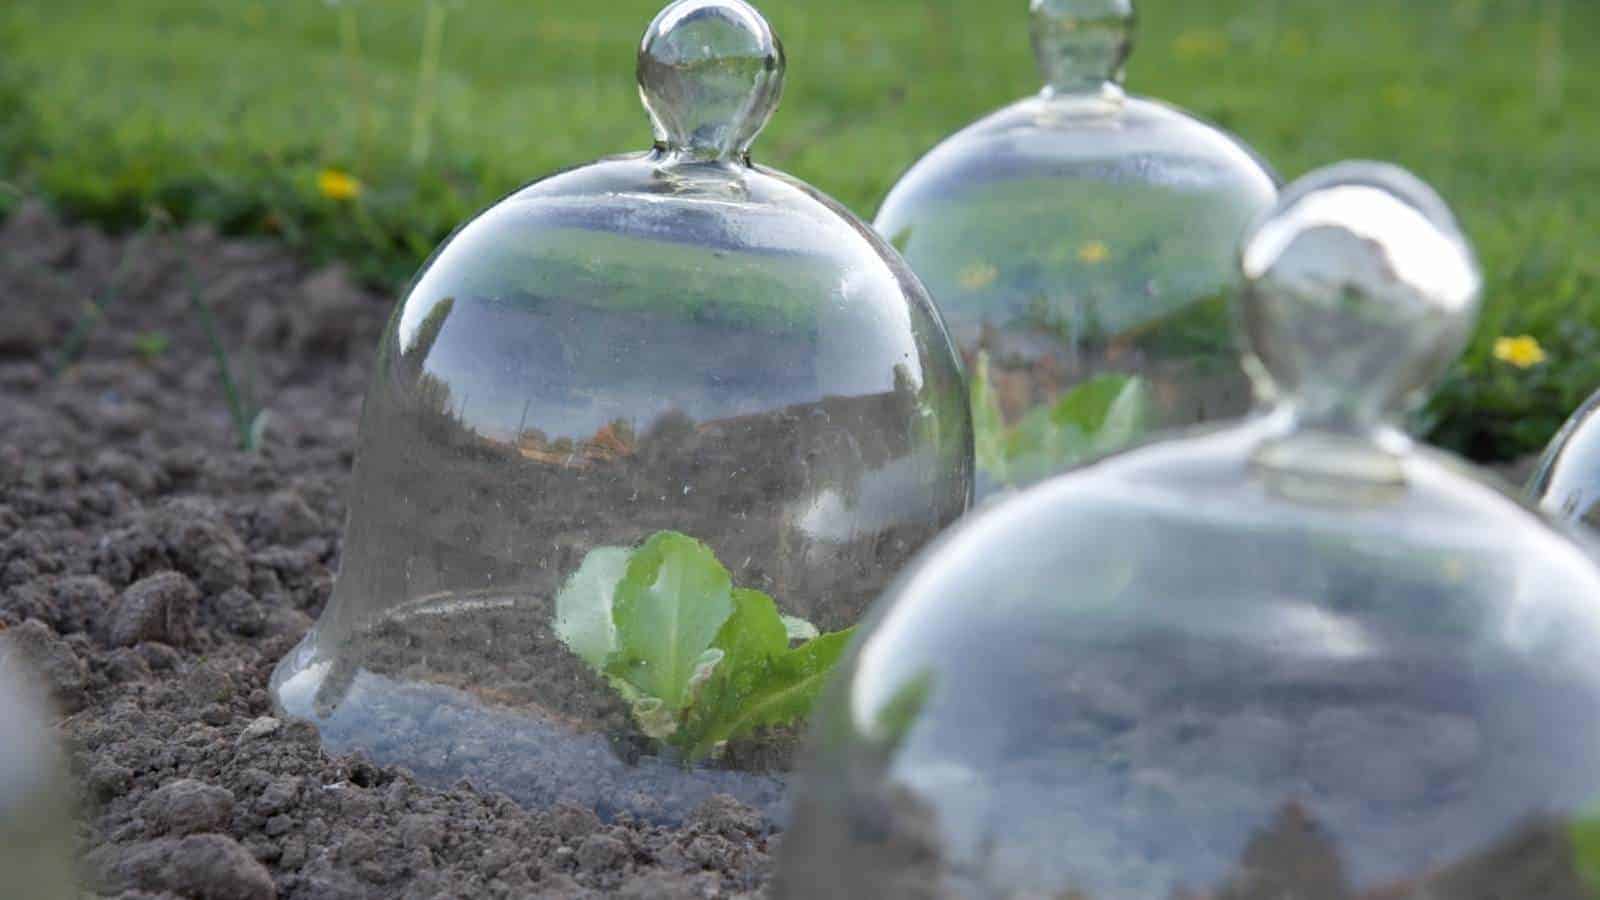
155 573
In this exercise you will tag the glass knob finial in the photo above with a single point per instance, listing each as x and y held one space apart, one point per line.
1082 44
710 75
1360 290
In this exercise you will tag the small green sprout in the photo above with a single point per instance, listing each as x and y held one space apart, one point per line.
249 419
150 345
1095 417
699 661
94 310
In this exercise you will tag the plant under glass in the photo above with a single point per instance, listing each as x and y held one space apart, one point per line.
623 422
1294 656
1080 234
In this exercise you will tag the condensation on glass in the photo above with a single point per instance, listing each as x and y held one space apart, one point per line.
37 838
1566 482
670 341
1291 656
1082 234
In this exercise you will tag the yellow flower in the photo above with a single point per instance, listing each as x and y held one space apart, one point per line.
1094 253
978 276
1523 351
337 185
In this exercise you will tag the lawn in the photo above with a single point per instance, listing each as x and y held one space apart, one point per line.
230 111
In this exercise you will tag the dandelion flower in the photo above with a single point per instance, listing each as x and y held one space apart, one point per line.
1522 351
1094 253
337 185
978 276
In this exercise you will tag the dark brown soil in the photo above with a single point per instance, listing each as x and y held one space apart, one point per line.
155 574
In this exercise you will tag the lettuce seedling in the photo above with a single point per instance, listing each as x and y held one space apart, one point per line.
699 661
1095 417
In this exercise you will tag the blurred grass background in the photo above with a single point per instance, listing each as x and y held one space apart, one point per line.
230 112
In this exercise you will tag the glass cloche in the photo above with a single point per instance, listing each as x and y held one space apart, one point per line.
644 438
1294 656
1080 245
37 838
1566 483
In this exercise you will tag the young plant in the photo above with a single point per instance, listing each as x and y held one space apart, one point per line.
94 311
699 661
150 345
249 419
1094 417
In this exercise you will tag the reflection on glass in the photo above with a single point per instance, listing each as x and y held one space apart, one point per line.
649 389
1566 483
1077 235
1295 656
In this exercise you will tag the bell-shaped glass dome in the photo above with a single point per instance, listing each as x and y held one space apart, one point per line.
1566 483
1293 656
37 839
1080 245
644 439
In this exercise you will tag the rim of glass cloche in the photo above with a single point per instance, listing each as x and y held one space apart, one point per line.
710 75
1359 292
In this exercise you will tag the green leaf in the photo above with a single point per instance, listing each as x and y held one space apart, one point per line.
756 629
1110 408
805 667
704 669
697 661
1127 419
748 642
1097 416
151 344
668 608
780 690
895 719
1040 446
988 423
583 607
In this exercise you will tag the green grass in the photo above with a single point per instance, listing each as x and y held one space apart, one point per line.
227 111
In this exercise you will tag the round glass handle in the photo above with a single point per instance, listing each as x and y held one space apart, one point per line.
710 75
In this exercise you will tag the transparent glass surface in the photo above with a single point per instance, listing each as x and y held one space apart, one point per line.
37 845
1294 656
1083 235
659 359
1566 483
